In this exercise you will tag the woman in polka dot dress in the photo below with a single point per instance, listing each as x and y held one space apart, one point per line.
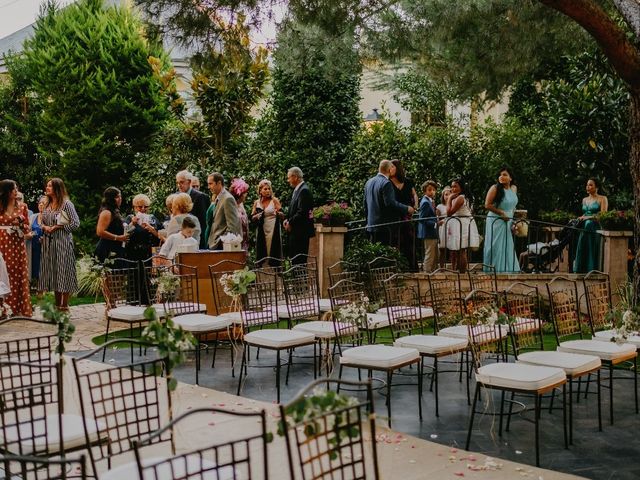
58 261
13 226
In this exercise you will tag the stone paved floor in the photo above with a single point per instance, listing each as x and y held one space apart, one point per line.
611 454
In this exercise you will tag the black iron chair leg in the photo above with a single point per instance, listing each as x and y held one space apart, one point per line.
473 414
434 380
599 402
278 375
513 395
611 393
106 338
501 413
420 389
389 377
242 366
537 428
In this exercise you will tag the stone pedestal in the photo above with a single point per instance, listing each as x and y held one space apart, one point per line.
330 249
614 256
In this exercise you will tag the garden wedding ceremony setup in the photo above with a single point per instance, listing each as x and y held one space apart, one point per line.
368 239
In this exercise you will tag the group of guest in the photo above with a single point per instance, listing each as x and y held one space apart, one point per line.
51 243
222 213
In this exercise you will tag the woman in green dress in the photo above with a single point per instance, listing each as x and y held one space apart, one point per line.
588 248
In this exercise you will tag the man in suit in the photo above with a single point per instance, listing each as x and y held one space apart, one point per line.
298 224
200 200
225 215
380 204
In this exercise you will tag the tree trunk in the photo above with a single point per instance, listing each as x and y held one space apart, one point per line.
634 167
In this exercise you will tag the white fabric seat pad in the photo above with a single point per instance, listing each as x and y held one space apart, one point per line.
128 313
235 317
520 376
72 430
379 356
195 307
279 338
608 351
425 312
193 464
376 321
325 330
462 331
606 335
432 344
201 322
325 304
573 364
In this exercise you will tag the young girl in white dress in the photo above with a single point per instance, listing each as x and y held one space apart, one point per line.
441 212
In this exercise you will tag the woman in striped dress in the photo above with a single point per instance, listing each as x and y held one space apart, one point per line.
58 262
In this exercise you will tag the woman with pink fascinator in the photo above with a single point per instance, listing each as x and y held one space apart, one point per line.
239 189
267 215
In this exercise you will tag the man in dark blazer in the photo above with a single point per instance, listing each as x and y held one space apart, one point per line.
380 204
299 223
200 201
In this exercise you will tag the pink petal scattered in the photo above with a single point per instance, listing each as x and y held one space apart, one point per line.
459 474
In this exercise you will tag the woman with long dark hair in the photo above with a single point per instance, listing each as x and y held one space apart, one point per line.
588 249
501 201
110 228
13 249
462 231
58 263
404 233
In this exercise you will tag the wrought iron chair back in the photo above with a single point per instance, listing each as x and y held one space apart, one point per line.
378 270
485 338
446 297
522 302
402 298
260 303
128 400
184 298
483 277
36 468
276 267
223 302
31 407
243 457
301 293
343 271
152 273
121 286
343 293
35 347
597 290
564 303
332 443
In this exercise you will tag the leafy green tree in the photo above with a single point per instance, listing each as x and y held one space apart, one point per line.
99 102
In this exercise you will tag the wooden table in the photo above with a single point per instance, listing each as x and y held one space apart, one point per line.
201 261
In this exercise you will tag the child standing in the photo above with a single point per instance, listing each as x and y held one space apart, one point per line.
428 226
183 237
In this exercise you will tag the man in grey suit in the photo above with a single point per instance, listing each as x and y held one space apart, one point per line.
380 204
200 200
225 218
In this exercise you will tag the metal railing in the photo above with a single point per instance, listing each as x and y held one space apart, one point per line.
537 247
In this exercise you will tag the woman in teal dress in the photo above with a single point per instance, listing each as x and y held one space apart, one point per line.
500 202
588 248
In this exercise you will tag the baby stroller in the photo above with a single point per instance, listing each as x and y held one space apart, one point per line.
545 257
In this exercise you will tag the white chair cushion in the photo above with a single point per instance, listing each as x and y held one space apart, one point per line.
325 304
182 467
462 331
72 430
325 330
572 363
432 344
522 325
279 338
235 317
520 376
609 351
171 306
378 320
378 356
606 335
127 313
201 322
425 312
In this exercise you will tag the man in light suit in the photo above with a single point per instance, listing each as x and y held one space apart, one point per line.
200 200
380 204
225 217
299 223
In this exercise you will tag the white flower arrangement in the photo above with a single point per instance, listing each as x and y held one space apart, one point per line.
354 313
627 327
5 310
236 283
167 284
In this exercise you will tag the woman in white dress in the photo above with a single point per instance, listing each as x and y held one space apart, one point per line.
462 231
267 215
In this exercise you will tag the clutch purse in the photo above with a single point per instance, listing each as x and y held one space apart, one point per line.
63 218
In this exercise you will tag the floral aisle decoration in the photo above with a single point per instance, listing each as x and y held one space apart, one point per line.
91 274
172 342
5 310
167 285
625 316
62 320
337 428
236 284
